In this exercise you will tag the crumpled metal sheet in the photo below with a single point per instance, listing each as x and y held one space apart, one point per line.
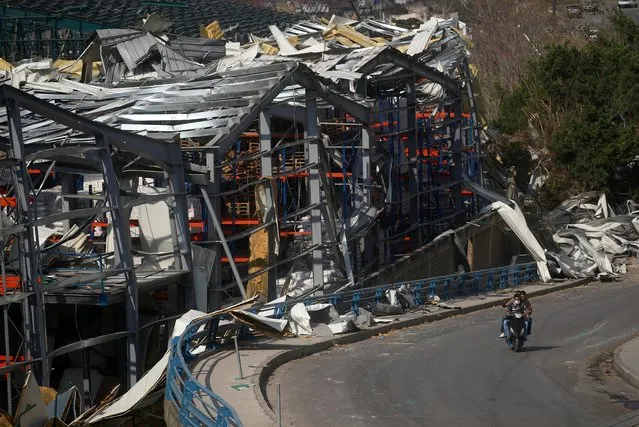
593 240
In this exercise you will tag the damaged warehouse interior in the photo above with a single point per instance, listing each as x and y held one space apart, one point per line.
168 165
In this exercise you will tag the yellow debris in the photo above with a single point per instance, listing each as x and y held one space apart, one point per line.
48 394
344 41
5 66
380 40
267 49
74 67
212 31
294 40
6 420
465 38
351 34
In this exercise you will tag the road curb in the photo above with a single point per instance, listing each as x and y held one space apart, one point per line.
628 375
260 381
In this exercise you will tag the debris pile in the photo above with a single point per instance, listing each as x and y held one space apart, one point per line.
593 240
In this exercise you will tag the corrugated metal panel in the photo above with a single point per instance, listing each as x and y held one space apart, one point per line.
423 36
173 62
135 51
115 35
200 49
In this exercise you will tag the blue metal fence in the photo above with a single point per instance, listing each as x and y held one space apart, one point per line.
445 287
197 405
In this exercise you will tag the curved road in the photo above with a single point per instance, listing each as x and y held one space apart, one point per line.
456 372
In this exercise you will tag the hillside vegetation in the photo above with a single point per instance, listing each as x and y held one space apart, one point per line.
578 107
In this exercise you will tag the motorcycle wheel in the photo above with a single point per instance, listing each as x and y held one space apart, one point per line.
516 344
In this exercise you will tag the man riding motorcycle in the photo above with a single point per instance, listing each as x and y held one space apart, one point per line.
518 302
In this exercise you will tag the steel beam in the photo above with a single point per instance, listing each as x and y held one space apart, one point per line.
324 89
152 149
78 213
123 255
220 233
315 192
392 55
234 132
474 121
33 307
215 290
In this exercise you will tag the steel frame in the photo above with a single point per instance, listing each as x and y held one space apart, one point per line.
101 152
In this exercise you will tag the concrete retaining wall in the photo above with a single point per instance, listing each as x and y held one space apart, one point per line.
487 242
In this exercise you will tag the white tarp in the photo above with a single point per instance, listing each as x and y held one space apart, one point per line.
517 223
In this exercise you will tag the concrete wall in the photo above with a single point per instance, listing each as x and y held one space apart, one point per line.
493 245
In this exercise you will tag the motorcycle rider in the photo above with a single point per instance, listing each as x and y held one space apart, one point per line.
516 303
528 311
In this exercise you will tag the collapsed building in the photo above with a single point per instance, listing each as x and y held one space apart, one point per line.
156 172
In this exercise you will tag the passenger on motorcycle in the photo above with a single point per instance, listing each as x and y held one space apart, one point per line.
515 304
529 311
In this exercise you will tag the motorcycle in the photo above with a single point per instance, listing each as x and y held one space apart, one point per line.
515 329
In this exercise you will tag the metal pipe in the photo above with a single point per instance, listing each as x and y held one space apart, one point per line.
340 124
279 406
237 353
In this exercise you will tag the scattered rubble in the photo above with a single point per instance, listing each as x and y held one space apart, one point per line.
592 239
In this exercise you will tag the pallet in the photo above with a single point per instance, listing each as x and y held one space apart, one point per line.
242 209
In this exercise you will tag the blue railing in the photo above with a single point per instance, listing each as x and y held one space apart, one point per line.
196 405
445 287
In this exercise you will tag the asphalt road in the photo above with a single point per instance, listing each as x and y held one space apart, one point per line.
632 13
456 372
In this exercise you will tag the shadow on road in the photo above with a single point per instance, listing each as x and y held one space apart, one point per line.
537 348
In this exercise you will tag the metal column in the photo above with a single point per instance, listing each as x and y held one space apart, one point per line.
68 204
179 215
181 233
121 237
315 192
33 309
458 175
266 168
413 184
367 183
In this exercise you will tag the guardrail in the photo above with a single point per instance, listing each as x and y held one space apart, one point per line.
445 287
198 406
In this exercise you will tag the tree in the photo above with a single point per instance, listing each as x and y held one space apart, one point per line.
588 97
